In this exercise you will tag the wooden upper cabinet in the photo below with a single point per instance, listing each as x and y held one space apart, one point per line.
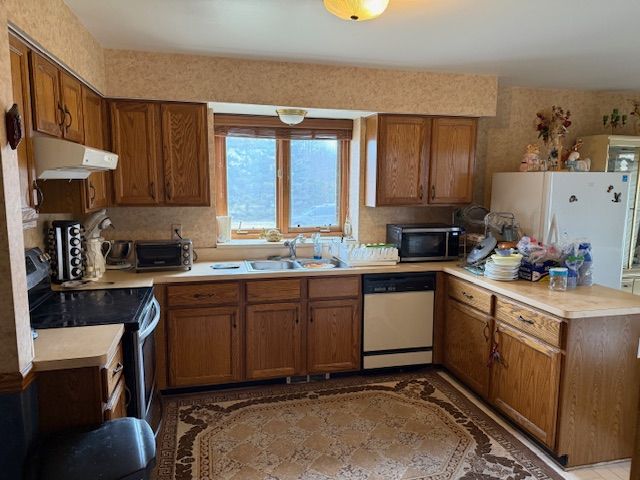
333 336
21 96
526 382
204 346
71 95
135 133
397 159
274 346
453 143
185 154
48 112
96 186
467 343
57 100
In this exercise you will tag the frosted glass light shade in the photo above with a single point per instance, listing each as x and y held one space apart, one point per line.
291 116
357 10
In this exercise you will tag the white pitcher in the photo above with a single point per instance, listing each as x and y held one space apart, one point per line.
96 258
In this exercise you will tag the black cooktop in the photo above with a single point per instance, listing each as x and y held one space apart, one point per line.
92 307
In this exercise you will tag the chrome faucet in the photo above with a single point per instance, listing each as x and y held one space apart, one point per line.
292 245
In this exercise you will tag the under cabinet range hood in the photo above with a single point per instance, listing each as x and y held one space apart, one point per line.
61 159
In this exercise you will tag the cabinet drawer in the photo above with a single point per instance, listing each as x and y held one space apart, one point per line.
273 290
334 287
203 294
117 405
112 373
541 326
471 295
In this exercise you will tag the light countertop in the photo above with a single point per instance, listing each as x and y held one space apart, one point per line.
75 347
595 301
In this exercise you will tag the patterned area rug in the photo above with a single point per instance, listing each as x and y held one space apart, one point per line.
408 426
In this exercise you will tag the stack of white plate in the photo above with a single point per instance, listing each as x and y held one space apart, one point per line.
503 267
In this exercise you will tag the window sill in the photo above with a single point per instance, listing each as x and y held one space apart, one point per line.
261 243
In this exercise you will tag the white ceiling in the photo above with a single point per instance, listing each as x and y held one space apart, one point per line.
592 44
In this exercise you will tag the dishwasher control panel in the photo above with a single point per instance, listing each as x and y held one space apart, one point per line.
399 282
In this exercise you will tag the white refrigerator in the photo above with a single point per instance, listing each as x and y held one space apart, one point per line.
590 206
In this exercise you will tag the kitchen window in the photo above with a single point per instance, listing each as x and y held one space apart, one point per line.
269 175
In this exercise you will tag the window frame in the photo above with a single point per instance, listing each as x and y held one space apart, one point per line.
283 189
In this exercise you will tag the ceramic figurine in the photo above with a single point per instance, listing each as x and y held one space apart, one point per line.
572 160
531 159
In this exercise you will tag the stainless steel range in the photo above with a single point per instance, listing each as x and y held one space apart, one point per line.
136 308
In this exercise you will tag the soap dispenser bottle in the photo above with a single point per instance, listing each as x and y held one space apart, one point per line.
317 247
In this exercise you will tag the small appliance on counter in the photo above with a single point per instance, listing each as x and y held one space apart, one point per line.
118 255
424 242
97 248
164 255
65 239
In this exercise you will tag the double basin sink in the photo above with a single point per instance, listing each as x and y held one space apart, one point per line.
289 264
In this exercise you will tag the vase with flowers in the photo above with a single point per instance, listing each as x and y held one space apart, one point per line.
552 126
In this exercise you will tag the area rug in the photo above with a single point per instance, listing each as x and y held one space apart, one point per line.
410 427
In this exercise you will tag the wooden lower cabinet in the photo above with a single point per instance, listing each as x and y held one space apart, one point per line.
204 346
333 336
467 344
526 382
82 397
274 346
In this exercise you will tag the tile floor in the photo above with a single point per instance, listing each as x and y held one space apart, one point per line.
609 471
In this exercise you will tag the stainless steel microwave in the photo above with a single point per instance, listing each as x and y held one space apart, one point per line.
164 255
424 242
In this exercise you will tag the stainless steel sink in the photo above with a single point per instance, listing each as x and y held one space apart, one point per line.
272 265
288 264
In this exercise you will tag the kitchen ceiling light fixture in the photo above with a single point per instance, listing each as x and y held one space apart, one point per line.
291 116
356 10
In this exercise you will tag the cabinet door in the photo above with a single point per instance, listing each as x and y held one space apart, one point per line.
21 96
467 343
135 133
96 186
117 406
47 107
333 336
274 340
403 152
526 381
204 346
185 154
453 145
71 93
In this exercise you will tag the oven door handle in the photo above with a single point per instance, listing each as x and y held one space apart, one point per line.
154 323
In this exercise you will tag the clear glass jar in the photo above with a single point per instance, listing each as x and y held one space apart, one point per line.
558 278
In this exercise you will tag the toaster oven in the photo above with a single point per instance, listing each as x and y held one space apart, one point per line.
163 255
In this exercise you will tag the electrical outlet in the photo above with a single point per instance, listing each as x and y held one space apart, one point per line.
176 231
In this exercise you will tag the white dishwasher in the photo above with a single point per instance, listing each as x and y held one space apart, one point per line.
398 319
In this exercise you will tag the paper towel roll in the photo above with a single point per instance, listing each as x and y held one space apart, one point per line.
224 229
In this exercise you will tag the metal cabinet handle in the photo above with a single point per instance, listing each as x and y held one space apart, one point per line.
485 331
152 190
63 116
169 190
67 112
234 324
203 295
522 319
467 295
433 192
421 192
39 196
298 318
117 370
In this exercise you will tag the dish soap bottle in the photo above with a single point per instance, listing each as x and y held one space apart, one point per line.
317 247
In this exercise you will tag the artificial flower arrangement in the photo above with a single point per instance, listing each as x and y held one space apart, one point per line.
552 126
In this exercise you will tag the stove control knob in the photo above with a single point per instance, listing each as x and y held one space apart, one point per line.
186 262
185 255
